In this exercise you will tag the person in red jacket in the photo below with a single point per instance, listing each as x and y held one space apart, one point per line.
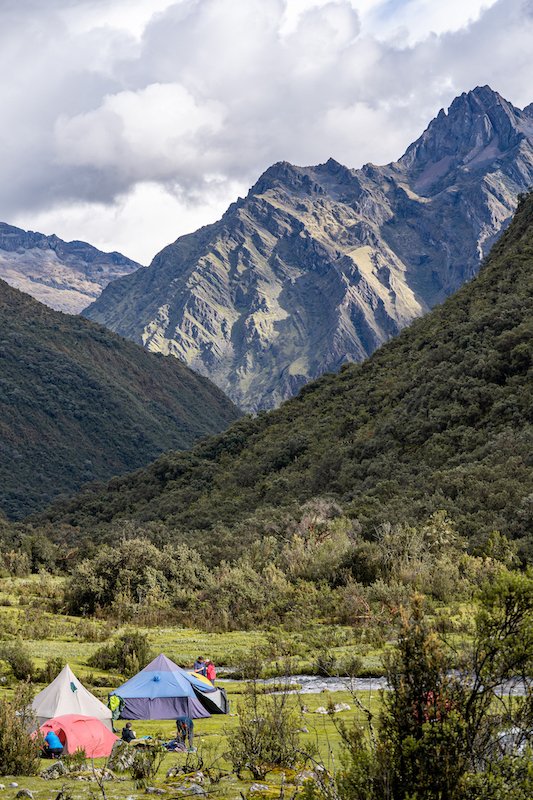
211 672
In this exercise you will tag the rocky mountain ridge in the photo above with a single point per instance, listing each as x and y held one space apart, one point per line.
320 265
437 420
66 276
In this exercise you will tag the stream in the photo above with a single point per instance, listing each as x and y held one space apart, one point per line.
314 684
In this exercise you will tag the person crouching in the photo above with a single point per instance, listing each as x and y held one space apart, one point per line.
53 748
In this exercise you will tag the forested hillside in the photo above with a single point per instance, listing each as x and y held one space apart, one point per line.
78 403
439 418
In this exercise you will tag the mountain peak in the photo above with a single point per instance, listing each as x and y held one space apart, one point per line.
480 126
323 263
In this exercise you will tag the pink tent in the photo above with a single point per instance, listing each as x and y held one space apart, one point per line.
77 732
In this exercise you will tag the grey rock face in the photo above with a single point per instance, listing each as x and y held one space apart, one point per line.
67 276
54 771
321 265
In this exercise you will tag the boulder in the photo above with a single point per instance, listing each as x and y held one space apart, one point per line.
191 789
122 756
54 771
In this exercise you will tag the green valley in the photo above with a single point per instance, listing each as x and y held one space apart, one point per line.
437 419
79 404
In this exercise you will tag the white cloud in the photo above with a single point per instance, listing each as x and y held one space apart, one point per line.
411 21
148 213
128 122
155 132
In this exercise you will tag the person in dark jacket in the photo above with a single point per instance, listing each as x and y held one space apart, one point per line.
200 666
128 735
53 747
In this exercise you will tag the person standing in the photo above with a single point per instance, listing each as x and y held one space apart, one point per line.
200 666
210 672
185 732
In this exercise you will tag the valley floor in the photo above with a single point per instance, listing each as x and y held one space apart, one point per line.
54 637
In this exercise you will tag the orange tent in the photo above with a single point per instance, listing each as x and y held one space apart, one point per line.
77 732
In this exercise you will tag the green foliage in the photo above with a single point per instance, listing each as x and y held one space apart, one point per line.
51 670
423 733
75 762
311 574
267 733
19 754
135 573
127 655
146 763
437 419
442 734
508 778
79 404
19 659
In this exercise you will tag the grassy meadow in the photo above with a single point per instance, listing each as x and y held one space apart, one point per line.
49 636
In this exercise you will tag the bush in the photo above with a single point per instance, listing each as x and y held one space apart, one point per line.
19 753
91 630
439 732
129 576
128 654
51 670
145 764
19 659
267 734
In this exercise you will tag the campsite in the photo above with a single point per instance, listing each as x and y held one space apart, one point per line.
79 689
63 643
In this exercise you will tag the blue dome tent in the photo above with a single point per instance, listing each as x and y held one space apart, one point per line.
162 690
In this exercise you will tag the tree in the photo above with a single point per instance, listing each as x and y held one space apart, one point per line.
445 734
19 753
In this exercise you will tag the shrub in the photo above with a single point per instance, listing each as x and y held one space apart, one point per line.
51 670
19 753
19 659
267 734
439 732
16 563
145 764
135 569
91 630
75 762
128 654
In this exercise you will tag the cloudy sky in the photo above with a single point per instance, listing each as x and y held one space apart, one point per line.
129 122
